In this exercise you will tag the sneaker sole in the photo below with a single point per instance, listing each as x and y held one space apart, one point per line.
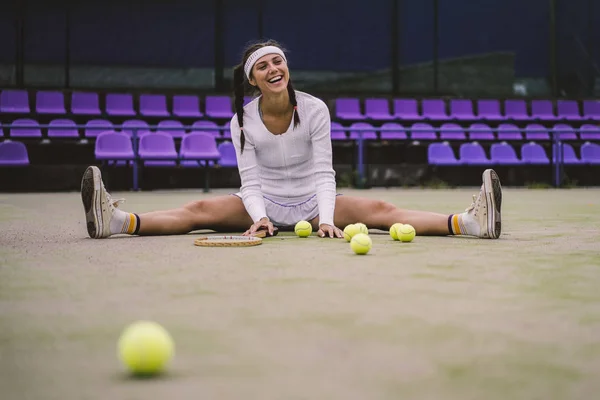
493 198
90 192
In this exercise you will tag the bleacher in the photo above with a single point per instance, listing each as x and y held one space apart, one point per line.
189 131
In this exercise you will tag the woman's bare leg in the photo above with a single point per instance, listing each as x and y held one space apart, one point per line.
103 218
483 219
221 213
379 214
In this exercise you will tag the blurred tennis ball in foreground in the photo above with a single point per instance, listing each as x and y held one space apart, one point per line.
145 348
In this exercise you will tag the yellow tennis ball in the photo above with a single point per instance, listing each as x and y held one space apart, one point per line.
394 230
303 229
145 348
406 233
350 231
361 243
363 228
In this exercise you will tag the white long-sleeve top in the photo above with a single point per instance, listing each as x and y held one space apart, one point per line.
290 167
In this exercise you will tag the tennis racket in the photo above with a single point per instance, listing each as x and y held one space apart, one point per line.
233 240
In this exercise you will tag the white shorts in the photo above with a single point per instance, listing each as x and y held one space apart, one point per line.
285 215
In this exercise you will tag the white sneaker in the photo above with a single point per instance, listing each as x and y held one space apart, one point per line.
483 217
99 206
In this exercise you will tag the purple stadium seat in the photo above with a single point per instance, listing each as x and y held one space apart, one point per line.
226 130
199 147
543 110
96 126
434 109
14 101
406 109
452 131
473 154
337 131
503 154
516 110
536 132
462 110
422 131
175 128
590 153
398 132
158 150
348 108
568 110
186 106
441 154
65 128
13 154
228 156
154 105
83 103
111 145
120 104
378 109
589 132
533 153
368 131
569 157
50 102
509 132
135 123
489 109
565 131
479 131
591 110
200 126
218 107
1 130
26 128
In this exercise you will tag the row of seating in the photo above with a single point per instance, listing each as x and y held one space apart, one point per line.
159 150
221 107
66 128
17 101
465 110
504 154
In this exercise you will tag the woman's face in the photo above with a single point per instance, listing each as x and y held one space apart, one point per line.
270 74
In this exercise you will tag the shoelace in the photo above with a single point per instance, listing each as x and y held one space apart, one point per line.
472 206
113 202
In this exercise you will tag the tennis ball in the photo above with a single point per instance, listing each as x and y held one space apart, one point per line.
145 348
303 229
361 243
406 233
362 228
350 231
394 230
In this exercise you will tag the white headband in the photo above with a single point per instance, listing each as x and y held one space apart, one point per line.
263 51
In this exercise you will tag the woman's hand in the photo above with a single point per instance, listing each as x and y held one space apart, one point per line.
262 223
330 230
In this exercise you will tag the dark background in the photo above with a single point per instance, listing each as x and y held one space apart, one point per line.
429 47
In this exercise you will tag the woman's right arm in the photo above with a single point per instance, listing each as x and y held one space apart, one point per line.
249 173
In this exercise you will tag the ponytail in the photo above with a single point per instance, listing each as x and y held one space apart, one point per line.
238 91
292 94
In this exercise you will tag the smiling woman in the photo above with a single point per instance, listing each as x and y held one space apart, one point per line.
283 147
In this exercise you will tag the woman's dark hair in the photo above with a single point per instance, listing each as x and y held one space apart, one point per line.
241 86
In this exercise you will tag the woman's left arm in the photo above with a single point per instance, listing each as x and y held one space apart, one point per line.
320 134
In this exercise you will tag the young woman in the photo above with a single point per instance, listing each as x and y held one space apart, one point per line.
284 153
